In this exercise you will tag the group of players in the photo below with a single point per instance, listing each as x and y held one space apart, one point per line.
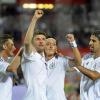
44 69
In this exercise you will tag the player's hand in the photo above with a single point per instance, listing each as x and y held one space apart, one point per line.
38 14
70 38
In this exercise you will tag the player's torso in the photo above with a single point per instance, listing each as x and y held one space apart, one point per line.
34 68
87 84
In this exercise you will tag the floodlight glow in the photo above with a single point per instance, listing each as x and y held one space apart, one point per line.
40 6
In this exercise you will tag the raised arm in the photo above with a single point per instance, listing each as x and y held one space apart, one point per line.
29 34
15 62
70 38
94 75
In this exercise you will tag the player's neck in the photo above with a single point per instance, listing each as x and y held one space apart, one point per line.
97 54
41 53
48 57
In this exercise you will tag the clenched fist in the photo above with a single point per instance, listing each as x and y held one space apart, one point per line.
38 14
70 38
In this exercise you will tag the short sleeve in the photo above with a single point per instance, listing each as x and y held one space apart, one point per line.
85 58
97 66
3 66
27 56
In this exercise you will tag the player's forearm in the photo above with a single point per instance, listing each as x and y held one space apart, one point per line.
89 73
77 55
30 31
14 65
15 62
72 42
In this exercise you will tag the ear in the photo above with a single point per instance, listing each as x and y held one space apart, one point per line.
4 47
56 50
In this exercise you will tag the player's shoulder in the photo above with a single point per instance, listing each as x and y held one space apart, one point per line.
97 59
1 60
62 58
87 56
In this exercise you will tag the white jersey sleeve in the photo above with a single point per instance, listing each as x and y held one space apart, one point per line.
97 65
85 57
3 65
28 57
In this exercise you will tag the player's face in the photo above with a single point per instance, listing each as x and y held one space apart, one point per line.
39 42
94 44
51 46
9 47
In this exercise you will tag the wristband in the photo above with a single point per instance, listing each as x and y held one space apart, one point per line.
73 44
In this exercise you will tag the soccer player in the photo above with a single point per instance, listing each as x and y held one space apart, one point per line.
90 69
56 69
7 48
33 62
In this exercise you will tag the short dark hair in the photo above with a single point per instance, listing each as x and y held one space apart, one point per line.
97 34
40 33
4 38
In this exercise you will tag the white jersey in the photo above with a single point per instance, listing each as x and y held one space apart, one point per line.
56 74
89 89
35 74
5 82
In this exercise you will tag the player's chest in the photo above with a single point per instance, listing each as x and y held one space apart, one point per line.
92 63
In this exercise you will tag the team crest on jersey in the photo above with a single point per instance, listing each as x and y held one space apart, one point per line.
52 65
